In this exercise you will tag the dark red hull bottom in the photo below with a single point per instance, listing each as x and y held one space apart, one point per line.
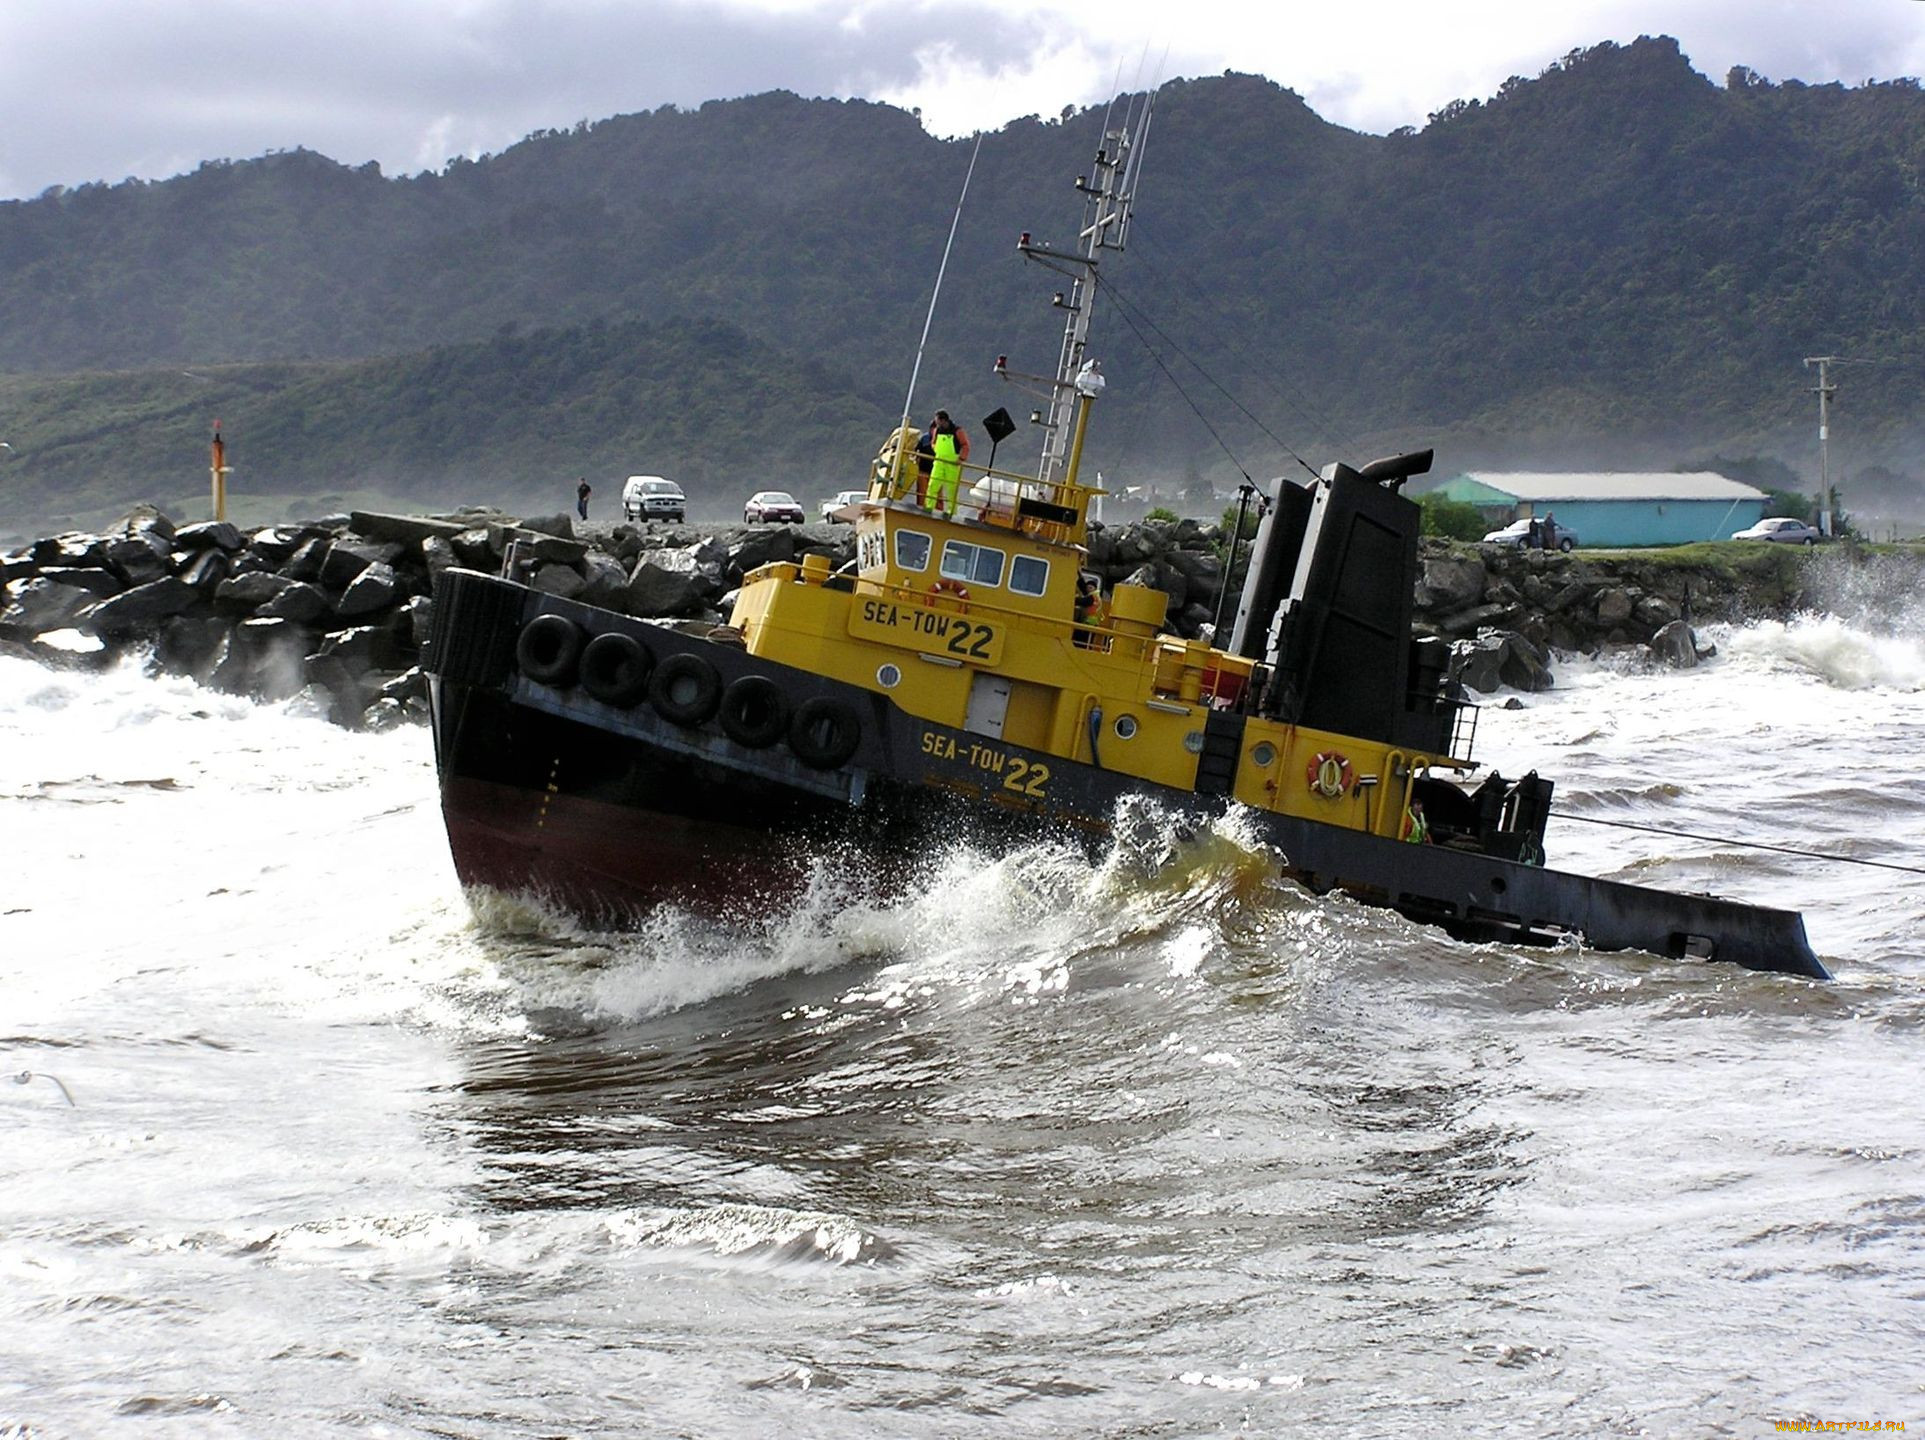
609 863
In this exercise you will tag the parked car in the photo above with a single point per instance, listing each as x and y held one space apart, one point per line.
1518 532
650 497
1781 529
843 499
778 505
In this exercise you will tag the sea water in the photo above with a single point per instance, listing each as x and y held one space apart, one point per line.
299 1142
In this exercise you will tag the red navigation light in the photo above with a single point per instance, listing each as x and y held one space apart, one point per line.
1022 241
1002 363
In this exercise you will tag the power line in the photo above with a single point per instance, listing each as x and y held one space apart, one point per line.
1123 307
1747 844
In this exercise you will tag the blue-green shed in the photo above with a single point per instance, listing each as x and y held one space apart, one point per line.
1615 509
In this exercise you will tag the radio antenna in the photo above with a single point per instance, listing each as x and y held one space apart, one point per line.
909 400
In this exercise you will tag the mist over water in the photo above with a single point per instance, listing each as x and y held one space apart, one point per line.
1156 1145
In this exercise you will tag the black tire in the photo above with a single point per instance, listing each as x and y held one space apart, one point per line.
1566 546
549 649
824 733
685 689
615 669
754 712
1809 542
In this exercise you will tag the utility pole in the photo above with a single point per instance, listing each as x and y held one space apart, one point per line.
1825 390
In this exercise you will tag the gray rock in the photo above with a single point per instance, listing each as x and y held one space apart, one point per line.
140 608
1655 612
103 583
277 545
534 545
346 559
1525 666
221 534
1450 582
563 580
417 614
409 530
670 582
246 593
85 551
140 557
1478 617
475 548
301 602
438 555
365 647
263 659
1675 646
1478 663
37 605
305 564
205 569
606 582
191 645
1613 608
373 588
560 526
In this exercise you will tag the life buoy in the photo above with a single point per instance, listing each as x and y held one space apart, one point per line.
615 669
1330 775
685 689
548 650
955 590
824 733
754 712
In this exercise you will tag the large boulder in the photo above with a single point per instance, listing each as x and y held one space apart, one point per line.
244 594
301 602
1450 582
605 582
562 580
1675 646
138 609
140 557
670 582
409 530
223 534
205 569
37 605
191 645
346 559
263 659
1477 663
372 589
1614 607
1525 666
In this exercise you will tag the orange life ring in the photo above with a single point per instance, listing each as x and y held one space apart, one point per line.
955 589
1330 775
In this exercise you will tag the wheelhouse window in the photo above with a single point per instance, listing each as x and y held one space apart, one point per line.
1028 575
973 564
912 550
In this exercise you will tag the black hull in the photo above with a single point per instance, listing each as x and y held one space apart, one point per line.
614 808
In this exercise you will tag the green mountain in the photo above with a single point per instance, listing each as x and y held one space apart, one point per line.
1617 262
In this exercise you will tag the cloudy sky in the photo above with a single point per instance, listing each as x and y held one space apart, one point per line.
106 89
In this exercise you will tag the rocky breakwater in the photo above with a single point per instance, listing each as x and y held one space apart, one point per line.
1507 610
334 612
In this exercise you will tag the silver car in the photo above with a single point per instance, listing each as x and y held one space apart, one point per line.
1518 532
1781 529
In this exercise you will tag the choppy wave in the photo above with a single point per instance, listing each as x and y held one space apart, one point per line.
1842 653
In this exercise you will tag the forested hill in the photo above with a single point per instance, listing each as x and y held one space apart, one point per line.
1618 260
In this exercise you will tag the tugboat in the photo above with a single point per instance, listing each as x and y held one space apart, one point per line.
958 678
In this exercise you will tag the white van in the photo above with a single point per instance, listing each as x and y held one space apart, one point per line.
650 497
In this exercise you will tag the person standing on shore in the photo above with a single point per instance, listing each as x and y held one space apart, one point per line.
582 492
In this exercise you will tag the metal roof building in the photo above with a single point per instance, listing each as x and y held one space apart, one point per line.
1616 509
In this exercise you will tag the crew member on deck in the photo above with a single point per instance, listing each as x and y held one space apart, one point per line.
951 446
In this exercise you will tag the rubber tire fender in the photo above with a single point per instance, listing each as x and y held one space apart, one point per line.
754 712
549 649
685 689
825 732
615 669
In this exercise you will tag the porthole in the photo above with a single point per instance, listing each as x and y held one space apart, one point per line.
888 676
1125 726
1263 755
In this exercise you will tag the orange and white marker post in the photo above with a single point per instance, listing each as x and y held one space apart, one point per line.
217 473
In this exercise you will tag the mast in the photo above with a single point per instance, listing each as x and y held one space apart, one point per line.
1108 195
